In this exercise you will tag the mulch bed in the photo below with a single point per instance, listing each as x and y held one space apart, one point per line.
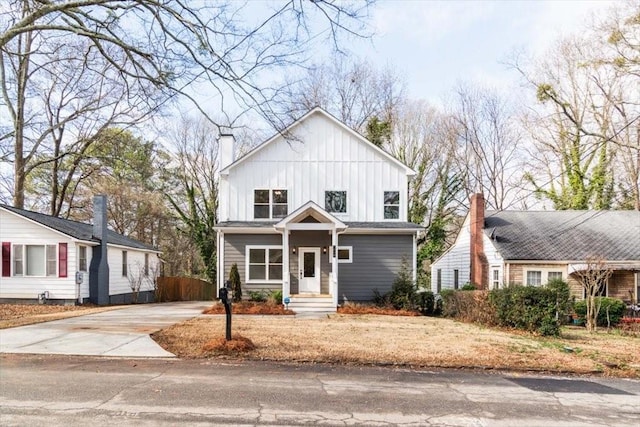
250 307
373 309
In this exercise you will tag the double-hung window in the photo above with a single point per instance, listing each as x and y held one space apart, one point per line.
82 258
391 204
270 204
554 275
35 260
335 201
124 264
534 278
264 263
541 276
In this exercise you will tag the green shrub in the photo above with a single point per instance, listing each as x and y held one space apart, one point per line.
468 287
236 286
534 309
426 303
275 297
257 296
403 294
613 306
449 303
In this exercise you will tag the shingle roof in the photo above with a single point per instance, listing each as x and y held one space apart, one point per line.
77 230
565 235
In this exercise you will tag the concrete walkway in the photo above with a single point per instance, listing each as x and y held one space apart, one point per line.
117 333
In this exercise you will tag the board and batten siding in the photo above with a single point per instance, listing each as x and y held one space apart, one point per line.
322 156
20 231
458 257
377 259
234 252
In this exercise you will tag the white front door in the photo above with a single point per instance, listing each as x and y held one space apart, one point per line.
309 271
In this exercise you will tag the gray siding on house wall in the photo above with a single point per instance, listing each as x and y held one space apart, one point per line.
234 252
376 263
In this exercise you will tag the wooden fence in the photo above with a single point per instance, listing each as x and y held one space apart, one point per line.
184 289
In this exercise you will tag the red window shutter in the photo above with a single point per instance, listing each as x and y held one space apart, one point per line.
62 260
6 259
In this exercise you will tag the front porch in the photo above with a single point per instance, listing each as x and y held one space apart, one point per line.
310 258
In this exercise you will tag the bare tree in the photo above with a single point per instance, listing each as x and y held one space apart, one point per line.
167 46
353 91
194 198
489 144
587 126
593 278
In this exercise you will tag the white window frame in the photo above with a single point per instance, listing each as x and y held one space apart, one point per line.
525 277
348 260
15 261
385 205
346 202
495 281
271 204
544 274
23 260
267 248
86 258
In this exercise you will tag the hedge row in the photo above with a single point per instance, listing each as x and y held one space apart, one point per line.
535 309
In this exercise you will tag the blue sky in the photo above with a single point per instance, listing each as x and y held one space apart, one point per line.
435 44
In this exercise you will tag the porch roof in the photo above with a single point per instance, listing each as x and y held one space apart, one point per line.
310 213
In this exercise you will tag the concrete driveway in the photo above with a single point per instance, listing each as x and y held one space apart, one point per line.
122 332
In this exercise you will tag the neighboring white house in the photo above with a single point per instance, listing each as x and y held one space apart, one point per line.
499 248
318 212
58 260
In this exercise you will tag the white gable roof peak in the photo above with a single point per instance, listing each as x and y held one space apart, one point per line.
335 121
310 209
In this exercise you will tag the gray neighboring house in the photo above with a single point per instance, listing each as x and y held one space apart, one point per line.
67 261
495 248
317 212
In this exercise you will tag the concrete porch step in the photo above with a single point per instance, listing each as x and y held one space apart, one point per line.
312 303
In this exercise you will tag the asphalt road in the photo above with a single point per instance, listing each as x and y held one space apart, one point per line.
70 390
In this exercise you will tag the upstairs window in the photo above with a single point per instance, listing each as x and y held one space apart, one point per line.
391 204
269 204
335 201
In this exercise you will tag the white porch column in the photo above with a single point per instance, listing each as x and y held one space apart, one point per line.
334 266
286 286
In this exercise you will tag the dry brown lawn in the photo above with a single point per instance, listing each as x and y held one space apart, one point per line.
12 315
410 341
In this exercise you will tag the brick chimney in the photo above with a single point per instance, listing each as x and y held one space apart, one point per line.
479 264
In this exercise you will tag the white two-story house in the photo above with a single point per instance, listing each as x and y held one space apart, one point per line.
318 212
